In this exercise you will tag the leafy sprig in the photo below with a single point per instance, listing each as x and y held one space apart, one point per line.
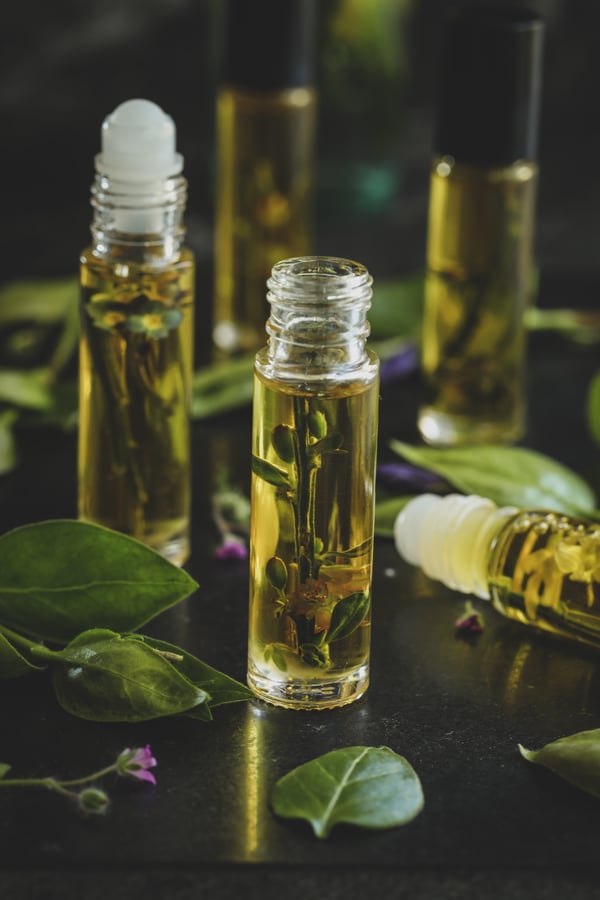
72 597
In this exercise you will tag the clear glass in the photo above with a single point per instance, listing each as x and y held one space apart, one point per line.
537 567
480 277
544 570
313 488
263 209
136 361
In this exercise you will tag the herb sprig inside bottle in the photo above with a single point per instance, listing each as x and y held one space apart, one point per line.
137 283
314 441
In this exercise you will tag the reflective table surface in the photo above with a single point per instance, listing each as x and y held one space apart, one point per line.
455 707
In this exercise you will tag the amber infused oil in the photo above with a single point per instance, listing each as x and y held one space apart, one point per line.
313 483
136 346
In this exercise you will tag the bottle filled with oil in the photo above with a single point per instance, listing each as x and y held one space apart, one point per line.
313 487
136 349
537 567
265 135
480 274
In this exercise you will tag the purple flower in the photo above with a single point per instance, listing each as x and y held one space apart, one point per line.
402 476
470 622
232 548
136 763
400 364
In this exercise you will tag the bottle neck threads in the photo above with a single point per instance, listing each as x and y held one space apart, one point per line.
318 321
450 538
145 215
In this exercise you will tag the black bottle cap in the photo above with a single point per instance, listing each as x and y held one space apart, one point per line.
489 90
269 44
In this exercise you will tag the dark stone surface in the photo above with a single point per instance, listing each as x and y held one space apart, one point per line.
492 825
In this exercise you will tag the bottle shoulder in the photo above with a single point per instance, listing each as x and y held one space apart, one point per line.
310 376
121 255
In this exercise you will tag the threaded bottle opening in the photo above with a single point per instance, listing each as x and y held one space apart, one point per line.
318 312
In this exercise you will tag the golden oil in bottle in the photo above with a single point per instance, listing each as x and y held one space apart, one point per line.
263 205
135 373
265 135
136 347
478 286
480 271
539 568
313 488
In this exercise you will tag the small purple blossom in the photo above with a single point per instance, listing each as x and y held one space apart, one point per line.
470 622
136 763
232 548
400 364
400 475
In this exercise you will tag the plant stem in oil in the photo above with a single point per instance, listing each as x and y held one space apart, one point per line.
263 204
479 280
545 571
311 529
135 373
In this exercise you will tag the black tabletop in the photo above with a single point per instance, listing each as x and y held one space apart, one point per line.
493 825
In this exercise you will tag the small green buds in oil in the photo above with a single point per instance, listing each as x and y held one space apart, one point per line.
282 439
277 573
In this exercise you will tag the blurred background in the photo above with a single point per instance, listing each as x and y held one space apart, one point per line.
65 65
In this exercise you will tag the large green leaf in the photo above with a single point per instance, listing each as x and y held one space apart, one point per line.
593 407
220 687
12 663
49 300
61 577
371 787
106 677
26 388
397 307
575 758
222 387
510 476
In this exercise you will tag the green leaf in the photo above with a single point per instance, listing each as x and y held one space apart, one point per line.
107 677
371 787
397 308
386 513
593 407
327 444
507 475
220 687
26 388
4 769
283 442
59 578
575 758
8 453
270 473
221 387
276 572
347 615
46 301
12 663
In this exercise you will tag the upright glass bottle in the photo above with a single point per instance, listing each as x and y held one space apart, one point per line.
539 568
313 487
137 290
480 269
265 130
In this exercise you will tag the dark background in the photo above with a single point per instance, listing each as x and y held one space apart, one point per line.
64 65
